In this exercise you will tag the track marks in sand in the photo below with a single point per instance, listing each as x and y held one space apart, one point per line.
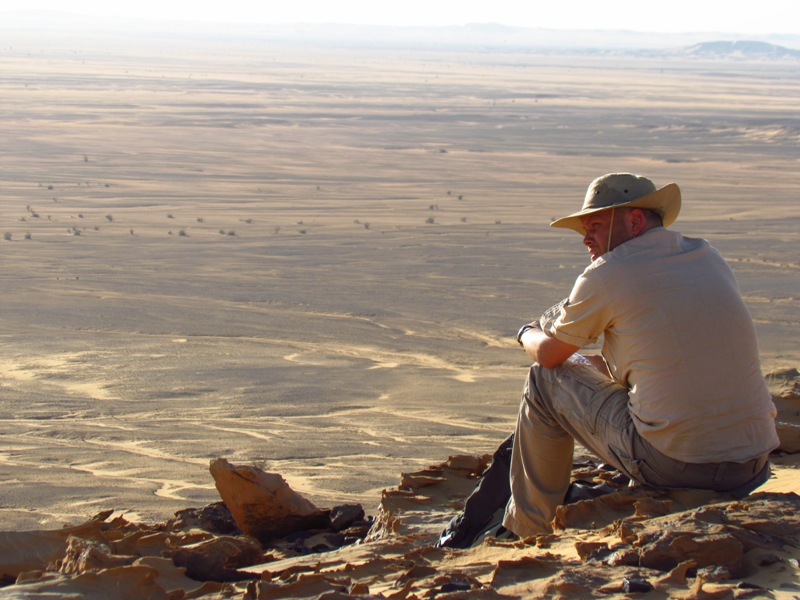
173 489
61 371
164 488
139 448
359 417
382 358
240 431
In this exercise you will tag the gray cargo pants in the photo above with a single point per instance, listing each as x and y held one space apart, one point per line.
576 402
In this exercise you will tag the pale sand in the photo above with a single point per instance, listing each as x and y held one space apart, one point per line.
364 233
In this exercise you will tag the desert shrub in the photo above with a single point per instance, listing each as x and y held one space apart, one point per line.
232 233
28 235
7 236
183 233
110 218
430 220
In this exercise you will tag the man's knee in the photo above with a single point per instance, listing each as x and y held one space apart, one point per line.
550 390
537 405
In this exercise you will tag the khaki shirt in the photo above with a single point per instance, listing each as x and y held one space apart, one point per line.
677 333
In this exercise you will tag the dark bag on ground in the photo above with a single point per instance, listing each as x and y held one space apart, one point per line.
488 499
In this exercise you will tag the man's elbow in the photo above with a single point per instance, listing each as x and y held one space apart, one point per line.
551 362
553 353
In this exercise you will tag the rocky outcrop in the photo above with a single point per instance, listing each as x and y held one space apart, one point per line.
785 387
679 544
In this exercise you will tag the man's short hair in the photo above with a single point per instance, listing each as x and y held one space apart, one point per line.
653 216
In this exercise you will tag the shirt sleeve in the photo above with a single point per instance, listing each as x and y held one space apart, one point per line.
550 315
585 315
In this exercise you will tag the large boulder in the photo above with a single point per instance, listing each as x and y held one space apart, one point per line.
262 504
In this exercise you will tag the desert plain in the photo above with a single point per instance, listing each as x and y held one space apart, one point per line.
313 259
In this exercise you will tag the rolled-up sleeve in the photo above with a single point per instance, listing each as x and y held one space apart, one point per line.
585 315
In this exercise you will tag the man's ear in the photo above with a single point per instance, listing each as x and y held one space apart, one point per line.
638 221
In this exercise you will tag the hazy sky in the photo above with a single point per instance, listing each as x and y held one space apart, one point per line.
754 16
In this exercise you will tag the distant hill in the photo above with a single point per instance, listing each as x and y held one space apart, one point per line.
482 37
740 49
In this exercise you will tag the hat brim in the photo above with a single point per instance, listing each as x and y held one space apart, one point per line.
666 201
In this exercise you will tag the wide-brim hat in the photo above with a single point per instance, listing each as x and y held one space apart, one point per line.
617 190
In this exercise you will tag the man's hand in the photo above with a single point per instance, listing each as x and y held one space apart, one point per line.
526 327
599 363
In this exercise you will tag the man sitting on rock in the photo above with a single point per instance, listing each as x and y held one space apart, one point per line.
677 399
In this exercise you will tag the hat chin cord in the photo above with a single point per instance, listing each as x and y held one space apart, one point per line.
610 230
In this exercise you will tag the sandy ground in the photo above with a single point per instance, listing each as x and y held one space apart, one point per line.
314 260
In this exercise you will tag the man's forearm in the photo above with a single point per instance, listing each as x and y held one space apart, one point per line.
547 351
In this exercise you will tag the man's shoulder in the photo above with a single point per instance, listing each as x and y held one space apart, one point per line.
656 249
656 243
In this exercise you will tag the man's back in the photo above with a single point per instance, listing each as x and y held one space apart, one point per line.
678 334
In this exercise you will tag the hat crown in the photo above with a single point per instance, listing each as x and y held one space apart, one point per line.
615 189
625 189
